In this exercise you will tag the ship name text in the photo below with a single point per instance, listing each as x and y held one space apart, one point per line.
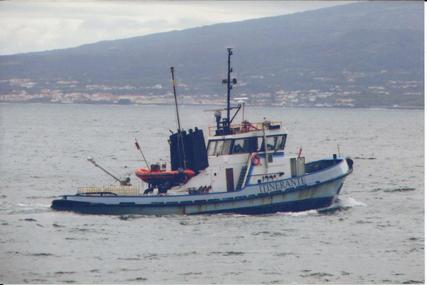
281 185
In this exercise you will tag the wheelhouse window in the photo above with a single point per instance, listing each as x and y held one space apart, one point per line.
219 147
230 146
244 145
212 148
274 143
271 143
226 147
281 142
215 147
239 146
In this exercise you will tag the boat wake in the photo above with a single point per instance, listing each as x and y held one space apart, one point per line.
349 202
22 208
341 204
300 214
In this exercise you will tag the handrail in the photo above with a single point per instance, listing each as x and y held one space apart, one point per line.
241 128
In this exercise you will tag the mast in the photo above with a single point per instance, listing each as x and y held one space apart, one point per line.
181 148
230 82
229 87
176 101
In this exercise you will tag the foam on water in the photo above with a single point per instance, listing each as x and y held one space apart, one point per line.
31 208
299 214
349 202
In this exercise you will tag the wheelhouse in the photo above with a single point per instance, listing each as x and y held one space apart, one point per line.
228 146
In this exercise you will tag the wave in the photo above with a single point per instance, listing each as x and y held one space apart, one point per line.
400 189
40 197
365 158
391 190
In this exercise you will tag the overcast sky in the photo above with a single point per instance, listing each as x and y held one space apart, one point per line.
41 25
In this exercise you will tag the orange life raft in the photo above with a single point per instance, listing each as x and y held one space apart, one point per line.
156 177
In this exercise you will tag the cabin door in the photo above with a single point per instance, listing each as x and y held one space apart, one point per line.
230 179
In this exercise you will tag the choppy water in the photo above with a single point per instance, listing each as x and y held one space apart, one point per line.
377 235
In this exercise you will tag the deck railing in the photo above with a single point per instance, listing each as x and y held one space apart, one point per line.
118 190
245 127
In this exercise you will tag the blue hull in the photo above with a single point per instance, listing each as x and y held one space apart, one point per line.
90 208
255 200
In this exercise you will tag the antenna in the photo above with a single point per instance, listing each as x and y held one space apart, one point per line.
242 101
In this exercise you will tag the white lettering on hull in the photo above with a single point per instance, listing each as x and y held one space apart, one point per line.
281 185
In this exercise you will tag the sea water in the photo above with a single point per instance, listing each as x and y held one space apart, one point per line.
375 233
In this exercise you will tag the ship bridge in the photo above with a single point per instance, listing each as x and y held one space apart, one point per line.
247 137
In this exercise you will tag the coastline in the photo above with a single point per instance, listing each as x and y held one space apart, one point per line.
415 108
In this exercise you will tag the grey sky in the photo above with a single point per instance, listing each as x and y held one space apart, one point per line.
42 25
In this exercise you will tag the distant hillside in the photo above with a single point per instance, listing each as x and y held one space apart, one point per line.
362 54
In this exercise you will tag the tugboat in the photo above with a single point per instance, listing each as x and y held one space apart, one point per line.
243 168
